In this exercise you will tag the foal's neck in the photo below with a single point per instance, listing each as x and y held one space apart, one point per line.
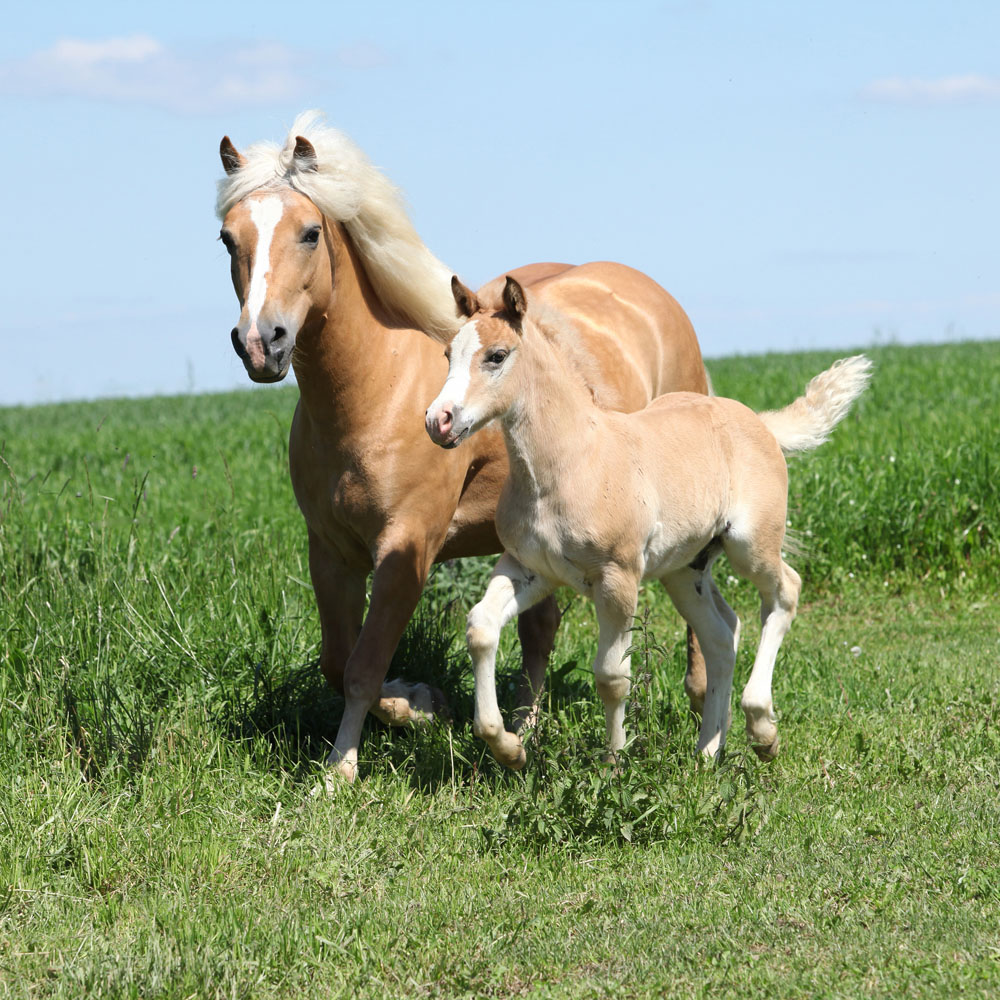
551 423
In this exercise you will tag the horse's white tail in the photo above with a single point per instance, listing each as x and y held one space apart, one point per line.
807 422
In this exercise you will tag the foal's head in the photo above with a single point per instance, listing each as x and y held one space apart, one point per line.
482 362
280 261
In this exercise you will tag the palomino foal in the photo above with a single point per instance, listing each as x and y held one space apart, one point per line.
599 501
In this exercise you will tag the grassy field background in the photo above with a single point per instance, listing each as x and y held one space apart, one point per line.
162 721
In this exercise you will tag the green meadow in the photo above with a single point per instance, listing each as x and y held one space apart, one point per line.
164 832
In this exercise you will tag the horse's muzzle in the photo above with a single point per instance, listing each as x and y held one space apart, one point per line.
266 357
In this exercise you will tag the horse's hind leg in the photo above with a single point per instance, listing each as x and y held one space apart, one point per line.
536 630
698 600
779 593
695 681
512 589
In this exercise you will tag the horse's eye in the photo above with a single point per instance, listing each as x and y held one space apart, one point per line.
497 357
227 241
311 236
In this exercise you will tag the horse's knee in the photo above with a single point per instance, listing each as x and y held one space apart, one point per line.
361 686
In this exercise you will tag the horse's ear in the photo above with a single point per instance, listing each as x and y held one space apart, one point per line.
305 154
232 158
514 300
465 299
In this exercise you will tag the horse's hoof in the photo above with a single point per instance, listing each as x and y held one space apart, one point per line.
769 752
405 704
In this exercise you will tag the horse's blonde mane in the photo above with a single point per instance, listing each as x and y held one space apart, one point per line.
345 186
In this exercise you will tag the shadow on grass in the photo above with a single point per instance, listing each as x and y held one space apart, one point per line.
296 711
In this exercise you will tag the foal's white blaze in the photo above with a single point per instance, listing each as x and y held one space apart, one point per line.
265 213
463 349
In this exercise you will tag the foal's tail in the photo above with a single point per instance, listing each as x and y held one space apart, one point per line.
807 422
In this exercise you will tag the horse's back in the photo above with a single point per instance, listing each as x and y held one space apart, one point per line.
640 338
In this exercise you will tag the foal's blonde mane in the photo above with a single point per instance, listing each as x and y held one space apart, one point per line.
346 187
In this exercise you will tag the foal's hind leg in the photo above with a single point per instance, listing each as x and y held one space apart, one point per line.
512 589
779 592
717 627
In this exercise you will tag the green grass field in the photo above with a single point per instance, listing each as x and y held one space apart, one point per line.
162 724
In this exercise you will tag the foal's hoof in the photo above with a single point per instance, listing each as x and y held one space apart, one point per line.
509 751
769 752
405 704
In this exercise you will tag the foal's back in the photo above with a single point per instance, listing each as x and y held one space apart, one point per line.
694 465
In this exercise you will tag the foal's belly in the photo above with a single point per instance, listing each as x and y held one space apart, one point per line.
665 553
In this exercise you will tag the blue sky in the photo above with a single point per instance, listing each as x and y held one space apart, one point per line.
797 175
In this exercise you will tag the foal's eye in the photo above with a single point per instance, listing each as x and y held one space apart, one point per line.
227 241
311 236
497 357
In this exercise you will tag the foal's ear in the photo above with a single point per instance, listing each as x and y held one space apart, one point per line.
465 299
514 300
305 154
232 158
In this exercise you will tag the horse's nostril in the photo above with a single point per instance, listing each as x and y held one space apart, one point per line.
235 337
279 332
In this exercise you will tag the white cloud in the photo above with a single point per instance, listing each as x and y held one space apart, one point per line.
139 69
965 89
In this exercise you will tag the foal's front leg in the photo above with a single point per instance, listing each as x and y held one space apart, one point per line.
615 605
512 589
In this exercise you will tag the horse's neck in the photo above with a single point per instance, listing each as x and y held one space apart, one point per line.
343 359
551 422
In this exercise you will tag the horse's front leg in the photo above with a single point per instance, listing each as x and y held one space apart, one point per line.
400 573
340 599
536 631
512 589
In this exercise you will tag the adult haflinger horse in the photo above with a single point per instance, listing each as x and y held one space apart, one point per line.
333 280
598 501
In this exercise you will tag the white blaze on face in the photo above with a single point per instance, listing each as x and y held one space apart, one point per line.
265 214
463 350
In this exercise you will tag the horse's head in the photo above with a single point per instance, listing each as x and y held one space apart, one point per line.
482 362
278 244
